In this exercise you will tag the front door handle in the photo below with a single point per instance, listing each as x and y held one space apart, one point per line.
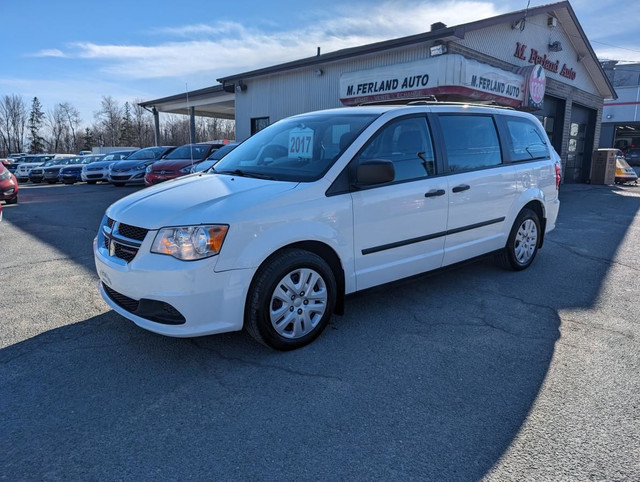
435 192
461 187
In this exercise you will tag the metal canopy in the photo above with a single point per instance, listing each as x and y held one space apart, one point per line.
209 102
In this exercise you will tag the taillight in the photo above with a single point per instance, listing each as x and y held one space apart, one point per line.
558 176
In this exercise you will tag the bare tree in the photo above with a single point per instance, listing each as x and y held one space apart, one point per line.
13 122
73 121
142 125
57 125
110 118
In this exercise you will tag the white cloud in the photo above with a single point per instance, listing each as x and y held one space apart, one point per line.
225 48
50 53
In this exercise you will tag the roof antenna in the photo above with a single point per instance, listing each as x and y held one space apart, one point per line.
186 89
520 24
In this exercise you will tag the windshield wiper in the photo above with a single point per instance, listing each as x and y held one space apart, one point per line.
241 173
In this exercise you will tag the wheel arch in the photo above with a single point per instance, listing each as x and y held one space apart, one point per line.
321 249
538 207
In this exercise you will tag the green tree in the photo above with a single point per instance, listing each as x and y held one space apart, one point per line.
87 140
127 132
36 119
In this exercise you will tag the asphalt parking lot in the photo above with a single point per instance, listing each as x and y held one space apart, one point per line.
472 373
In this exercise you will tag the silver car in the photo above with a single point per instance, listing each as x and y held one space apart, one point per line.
132 169
99 170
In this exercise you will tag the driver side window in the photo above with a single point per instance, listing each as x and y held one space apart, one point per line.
406 143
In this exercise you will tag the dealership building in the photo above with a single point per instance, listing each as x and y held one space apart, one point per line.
621 116
538 60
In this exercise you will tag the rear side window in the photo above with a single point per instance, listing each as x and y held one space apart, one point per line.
527 142
406 143
471 142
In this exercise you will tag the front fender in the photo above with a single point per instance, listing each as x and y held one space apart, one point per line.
327 220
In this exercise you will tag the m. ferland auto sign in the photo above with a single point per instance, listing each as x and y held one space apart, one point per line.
447 74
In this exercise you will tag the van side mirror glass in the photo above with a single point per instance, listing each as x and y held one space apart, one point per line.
373 172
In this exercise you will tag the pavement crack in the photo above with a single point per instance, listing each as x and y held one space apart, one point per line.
628 336
609 262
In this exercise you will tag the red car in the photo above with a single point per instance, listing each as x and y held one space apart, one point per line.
178 162
8 186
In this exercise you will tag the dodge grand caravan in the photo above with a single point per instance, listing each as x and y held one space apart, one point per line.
324 204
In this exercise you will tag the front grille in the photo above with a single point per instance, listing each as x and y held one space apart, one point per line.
121 300
132 232
94 176
94 168
119 178
123 240
124 252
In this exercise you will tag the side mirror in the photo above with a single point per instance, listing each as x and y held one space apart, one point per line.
373 172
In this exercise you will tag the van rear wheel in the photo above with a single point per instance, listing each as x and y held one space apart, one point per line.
291 300
523 242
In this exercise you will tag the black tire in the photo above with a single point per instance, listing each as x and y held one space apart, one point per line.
118 184
519 253
51 182
91 182
13 200
269 279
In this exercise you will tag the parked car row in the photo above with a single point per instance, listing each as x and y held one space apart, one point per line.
146 166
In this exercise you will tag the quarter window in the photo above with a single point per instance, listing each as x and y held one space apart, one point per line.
406 143
527 142
471 142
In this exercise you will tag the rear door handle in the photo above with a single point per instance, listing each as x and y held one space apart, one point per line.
461 187
435 192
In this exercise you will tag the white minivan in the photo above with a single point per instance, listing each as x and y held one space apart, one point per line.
324 204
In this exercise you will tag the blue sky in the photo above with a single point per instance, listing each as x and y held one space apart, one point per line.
76 51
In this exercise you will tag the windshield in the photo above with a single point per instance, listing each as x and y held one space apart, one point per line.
189 151
298 149
220 153
146 154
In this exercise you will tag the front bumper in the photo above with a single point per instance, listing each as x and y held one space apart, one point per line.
209 302
128 177
51 176
69 178
8 190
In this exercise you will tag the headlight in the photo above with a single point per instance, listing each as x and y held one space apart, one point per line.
189 243
148 169
140 167
5 175
186 170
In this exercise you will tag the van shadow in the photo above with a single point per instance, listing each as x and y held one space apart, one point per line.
420 391
429 378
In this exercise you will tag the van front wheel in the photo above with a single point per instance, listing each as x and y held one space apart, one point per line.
523 242
291 300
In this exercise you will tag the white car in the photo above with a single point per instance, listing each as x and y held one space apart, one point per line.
325 204
24 168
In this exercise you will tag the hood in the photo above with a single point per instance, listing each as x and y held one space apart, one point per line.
100 163
173 164
126 165
27 165
195 199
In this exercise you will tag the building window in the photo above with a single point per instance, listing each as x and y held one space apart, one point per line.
258 123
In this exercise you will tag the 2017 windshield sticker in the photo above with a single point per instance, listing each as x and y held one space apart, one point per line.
301 143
